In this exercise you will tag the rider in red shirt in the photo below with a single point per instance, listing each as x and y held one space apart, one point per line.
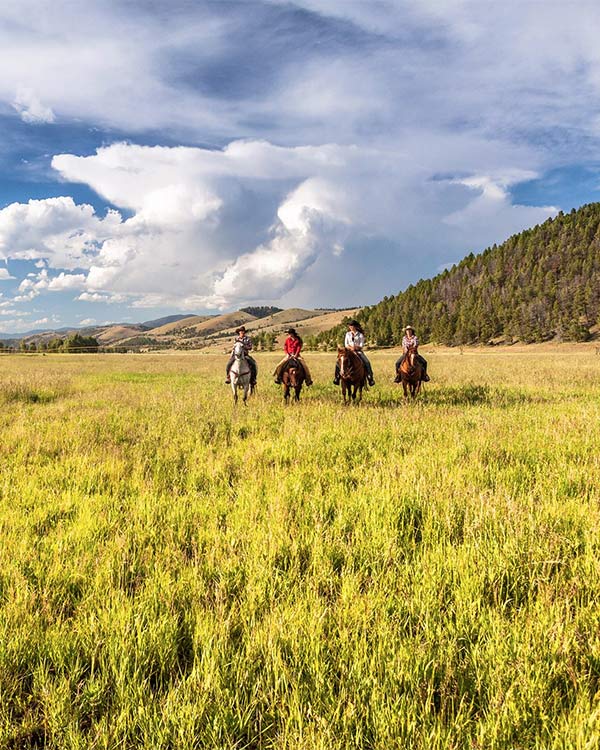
292 348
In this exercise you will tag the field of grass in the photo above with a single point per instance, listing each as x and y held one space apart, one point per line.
177 574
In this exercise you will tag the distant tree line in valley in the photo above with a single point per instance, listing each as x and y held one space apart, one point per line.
539 285
74 344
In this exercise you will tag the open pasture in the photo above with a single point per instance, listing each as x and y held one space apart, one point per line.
175 573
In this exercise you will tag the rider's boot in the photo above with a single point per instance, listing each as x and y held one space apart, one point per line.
397 379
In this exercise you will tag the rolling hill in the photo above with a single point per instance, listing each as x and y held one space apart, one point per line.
199 332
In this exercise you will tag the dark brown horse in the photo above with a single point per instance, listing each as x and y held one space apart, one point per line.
353 374
293 378
411 372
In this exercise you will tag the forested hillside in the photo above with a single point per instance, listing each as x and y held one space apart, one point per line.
541 284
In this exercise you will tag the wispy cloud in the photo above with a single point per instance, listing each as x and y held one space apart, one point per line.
31 108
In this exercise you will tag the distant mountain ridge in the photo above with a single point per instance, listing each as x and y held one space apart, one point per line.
539 285
163 321
190 331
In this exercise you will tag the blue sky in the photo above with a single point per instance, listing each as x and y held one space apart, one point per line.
202 156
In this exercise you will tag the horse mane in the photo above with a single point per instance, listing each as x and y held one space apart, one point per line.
354 355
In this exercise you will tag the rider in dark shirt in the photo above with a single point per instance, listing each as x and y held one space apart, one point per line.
247 342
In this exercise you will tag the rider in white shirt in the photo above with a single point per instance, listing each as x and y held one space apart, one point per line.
355 340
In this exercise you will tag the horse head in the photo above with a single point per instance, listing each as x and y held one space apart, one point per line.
344 360
295 372
238 350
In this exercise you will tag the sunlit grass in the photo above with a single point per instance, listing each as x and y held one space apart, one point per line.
177 573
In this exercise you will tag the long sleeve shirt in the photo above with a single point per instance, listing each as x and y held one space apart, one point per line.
409 342
292 346
354 340
246 342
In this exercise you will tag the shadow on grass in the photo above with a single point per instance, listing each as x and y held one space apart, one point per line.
463 395
32 393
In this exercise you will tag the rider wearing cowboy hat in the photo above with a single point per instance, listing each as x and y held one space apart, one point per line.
246 341
292 348
355 340
410 341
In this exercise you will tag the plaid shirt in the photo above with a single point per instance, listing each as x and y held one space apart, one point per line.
408 342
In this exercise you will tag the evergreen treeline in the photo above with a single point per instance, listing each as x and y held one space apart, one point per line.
262 311
541 284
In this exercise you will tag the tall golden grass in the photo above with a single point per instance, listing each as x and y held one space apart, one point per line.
177 573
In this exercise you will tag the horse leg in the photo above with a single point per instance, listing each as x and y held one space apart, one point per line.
344 388
286 393
405 389
297 390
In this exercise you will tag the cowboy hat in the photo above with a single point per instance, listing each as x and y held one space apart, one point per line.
240 329
408 328
292 331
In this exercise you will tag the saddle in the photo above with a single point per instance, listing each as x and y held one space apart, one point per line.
293 362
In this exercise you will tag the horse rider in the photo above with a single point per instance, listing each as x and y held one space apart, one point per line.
246 342
410 341
355 340
292 348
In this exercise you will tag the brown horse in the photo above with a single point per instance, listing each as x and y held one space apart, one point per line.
411 372
353 374
293 377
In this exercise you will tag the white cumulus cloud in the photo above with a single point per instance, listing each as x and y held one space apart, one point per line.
255 221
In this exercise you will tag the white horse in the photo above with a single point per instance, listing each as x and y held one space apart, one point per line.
239 372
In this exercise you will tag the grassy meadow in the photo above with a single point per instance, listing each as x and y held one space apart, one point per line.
175 573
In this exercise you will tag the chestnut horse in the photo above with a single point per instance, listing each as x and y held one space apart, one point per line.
411 372
353 374
293 377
